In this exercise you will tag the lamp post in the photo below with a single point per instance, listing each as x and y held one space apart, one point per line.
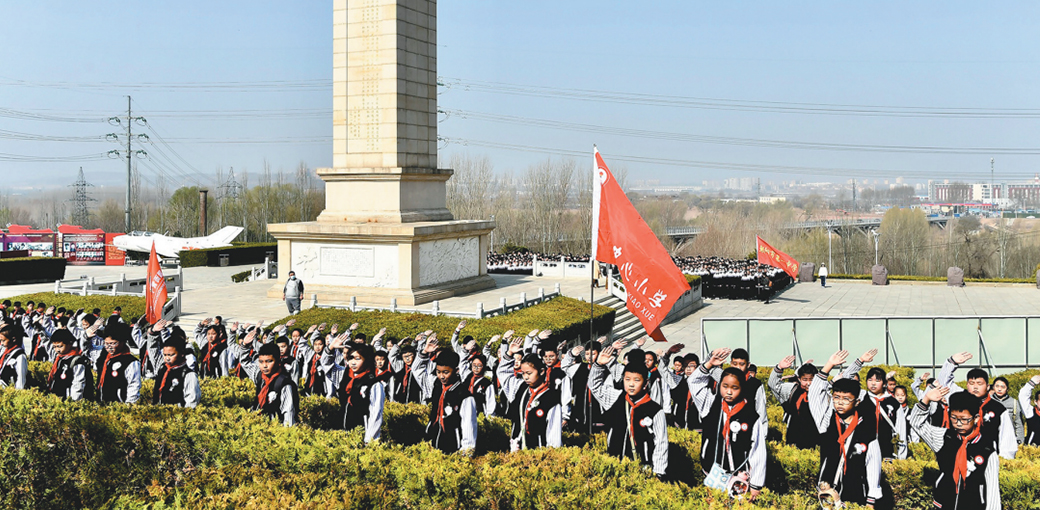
876 236
830 239
492 237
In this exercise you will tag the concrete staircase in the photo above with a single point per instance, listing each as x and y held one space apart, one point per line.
627 327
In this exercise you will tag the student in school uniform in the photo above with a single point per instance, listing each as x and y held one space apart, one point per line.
360 396
794 399
636 425
534 405
14 364
315 373
903 447
586 412
212 341
453 411
558 379
407 389
276 394
70 377
755 392
1031 410
850 456
885 411
734 434
176 383
685 414
969 465
119 371
480 385
996 424
1000 393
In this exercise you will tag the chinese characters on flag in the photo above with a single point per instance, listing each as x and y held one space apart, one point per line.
620 236
155 290
776 258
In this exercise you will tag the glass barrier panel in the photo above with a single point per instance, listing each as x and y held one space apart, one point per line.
1005 340
817 338
911 343
769 341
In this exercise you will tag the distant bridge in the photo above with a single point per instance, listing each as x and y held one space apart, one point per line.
680 234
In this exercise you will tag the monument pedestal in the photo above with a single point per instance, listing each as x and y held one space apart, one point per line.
415 262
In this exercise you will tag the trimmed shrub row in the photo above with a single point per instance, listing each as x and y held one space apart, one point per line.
62 454
568 319
31 270
241 277
245 253
132 306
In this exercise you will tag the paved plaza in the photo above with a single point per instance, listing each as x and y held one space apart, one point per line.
209 291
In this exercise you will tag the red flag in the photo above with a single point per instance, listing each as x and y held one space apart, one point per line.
155 290
652 281
776 258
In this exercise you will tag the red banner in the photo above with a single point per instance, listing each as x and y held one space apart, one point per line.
776 258
652 281
155 290
113 256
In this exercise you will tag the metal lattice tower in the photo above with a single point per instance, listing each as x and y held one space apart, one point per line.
229 190
80 200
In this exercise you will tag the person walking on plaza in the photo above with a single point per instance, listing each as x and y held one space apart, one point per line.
823 275
292 293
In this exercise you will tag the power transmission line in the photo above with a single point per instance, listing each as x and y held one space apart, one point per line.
719 165
747 142
706 103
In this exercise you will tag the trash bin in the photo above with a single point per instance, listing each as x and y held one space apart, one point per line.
225 260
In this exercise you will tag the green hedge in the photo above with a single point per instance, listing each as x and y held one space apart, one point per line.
911 278
241 277
568 319
132 306
238 254
693 280
31 270
81 455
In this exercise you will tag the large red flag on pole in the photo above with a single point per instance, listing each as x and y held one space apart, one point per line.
155 290
620 236
776 258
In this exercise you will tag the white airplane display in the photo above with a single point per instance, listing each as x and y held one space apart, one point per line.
170 246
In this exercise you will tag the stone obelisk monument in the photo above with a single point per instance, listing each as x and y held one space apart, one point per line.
386 231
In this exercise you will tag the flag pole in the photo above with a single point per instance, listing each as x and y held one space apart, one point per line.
592 253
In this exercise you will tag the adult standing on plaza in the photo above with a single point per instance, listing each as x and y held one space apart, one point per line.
292 292
823 275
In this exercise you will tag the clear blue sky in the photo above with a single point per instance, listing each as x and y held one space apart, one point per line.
905 54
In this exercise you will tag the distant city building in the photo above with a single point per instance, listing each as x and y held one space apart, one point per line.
1002 194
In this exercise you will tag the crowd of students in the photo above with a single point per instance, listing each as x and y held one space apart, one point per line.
721 278
544 388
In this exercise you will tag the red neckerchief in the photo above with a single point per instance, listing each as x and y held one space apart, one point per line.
57 360
209 352
984 402
166 374
7 352
473 381
350 385
108 359
946 415
261 397
534 393
39 343
803 398
440 403
728 413
407 379
960 463
747 376
314 369
632 412
844 436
